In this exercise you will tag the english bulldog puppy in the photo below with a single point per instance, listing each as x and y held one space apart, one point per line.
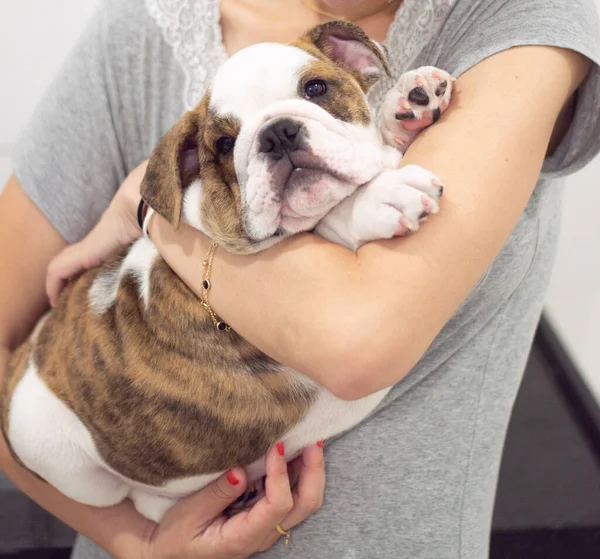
126 388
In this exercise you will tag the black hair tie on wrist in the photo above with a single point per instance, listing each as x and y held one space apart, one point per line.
141 214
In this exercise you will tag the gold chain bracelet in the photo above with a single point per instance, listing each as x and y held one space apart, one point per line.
206 269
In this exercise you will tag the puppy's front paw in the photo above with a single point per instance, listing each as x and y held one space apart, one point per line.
396 202
417 100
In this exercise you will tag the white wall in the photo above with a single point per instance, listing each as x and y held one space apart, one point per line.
35 35
573 301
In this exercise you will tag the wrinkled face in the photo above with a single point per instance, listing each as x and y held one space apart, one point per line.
281 137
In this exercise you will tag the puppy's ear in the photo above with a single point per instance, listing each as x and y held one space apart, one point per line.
348 45
173 165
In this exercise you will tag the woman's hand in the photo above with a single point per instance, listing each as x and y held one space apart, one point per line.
116 229
196 528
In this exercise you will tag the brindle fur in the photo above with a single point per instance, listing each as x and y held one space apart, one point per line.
161 394
12 375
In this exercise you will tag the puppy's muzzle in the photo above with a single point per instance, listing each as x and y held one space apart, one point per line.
281 136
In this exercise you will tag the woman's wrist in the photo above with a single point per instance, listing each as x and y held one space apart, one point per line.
183 248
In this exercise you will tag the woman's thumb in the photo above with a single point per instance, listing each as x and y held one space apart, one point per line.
212 500
66 265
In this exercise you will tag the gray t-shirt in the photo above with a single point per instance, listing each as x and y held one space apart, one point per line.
418 478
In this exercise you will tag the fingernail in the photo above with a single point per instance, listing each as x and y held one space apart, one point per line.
231 478
280 448
320 444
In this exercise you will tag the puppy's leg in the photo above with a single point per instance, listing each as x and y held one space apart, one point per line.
153 507
392 204
52 442
417 100
93 486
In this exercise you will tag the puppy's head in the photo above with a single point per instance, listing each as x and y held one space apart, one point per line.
283 134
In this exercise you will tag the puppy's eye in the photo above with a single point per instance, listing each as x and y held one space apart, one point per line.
225 145
315 88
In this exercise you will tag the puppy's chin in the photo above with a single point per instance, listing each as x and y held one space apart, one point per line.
312 192
296 204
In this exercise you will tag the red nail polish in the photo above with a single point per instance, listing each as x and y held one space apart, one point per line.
320 444
280 449
231 478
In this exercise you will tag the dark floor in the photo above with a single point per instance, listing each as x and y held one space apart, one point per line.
571 543
50 554
548 501
550 476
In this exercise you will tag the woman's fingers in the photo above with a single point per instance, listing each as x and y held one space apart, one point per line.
110 235
253 527
66 265
201 508
116 229
294 468
308 495
191 528
196 526
73 261
278 500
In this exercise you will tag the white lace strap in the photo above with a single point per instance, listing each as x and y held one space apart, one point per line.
192 29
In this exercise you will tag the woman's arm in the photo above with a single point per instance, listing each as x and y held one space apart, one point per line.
359 322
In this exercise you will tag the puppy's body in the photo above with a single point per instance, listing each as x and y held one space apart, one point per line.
126 388
142 404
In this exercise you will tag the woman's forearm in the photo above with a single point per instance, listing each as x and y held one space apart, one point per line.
300 302
120 529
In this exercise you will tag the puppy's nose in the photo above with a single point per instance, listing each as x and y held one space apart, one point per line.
282 135
418 96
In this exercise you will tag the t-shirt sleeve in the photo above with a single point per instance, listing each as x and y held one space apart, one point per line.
489 27
68 158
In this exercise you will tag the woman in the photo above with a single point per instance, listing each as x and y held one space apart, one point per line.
447 316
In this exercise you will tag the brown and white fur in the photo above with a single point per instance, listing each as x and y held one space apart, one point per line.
126 389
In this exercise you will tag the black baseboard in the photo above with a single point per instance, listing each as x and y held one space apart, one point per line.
40 554
581 543
564 373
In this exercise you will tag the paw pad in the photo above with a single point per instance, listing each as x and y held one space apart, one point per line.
409 115
418 99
